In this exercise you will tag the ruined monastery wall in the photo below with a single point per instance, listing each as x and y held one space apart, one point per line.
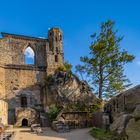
2 83
23 82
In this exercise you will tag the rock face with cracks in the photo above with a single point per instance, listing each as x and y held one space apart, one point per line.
125 110
64 87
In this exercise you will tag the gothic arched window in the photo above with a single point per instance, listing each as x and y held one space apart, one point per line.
56 58
29 56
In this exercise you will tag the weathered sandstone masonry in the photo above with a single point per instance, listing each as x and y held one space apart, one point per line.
3 112
20 83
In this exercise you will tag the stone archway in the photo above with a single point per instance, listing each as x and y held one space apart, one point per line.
24 122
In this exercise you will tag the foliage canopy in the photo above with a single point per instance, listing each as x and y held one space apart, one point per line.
105 64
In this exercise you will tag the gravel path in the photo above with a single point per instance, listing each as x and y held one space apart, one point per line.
48 134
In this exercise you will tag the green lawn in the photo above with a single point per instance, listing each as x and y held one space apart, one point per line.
101 134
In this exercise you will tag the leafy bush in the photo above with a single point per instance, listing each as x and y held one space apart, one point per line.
65 68
53 112
94 108
82 106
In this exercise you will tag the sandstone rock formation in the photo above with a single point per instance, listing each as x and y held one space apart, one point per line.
64 87
133 130
120 122
133 126
65 90
125 109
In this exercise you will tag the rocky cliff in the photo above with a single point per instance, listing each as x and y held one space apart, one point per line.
64 87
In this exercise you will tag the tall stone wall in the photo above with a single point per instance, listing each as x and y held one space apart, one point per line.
4 112
19 80
23 82
48 52
28 113
12 51
2 83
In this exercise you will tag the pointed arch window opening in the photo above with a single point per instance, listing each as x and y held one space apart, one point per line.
29 56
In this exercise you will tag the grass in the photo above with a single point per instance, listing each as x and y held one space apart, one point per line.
102 134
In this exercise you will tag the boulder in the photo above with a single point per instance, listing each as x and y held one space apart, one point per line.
133 129
120 123
136 113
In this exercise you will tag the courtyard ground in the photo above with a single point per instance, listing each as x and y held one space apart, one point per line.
48 134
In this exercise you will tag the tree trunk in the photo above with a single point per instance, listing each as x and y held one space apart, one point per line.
100 89
100 81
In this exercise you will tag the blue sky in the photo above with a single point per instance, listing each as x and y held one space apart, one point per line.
78 19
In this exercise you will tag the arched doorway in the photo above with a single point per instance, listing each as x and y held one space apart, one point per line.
24 122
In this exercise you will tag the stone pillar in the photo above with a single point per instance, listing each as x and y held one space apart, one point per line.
4 112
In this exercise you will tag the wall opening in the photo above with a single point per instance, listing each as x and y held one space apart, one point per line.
23 101
60 37
56 58
24 122
29 56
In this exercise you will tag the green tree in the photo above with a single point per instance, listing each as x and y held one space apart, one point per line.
105 63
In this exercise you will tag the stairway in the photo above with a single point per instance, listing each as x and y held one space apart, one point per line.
60 127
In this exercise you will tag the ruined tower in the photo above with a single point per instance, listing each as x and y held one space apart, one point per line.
55 55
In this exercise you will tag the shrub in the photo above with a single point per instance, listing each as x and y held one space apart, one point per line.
94 108
82 106
65 68
53 112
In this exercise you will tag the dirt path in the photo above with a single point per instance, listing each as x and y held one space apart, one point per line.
48 134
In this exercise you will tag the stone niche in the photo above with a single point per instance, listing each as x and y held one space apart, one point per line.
26 116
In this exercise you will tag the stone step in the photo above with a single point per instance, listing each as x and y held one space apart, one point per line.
60 127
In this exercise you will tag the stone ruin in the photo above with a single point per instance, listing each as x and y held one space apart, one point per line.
64 89
21 83
72 120
23 86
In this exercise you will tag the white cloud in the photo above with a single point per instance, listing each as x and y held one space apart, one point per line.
29 53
